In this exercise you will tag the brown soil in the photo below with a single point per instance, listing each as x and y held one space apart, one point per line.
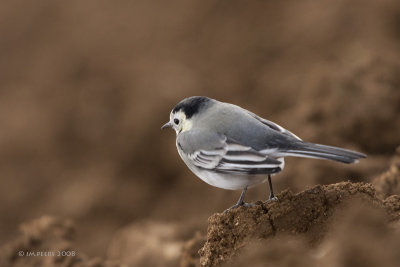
310 213
320 226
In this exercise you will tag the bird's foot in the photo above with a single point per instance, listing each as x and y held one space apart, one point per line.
273 198
238 205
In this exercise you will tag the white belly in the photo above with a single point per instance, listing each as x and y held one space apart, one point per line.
230 181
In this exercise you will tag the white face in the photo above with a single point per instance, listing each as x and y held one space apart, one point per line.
179 122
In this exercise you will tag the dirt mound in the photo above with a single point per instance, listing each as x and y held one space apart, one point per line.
309 213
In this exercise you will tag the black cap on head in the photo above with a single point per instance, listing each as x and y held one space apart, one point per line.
191 105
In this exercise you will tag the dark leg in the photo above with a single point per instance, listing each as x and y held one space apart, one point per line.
271 190
241 198
240 201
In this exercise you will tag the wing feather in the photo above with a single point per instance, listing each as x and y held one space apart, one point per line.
236 159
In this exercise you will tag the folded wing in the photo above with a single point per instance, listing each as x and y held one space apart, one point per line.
235 158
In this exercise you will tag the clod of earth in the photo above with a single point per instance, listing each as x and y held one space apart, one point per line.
308 212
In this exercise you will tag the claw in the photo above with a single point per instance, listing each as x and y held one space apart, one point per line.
273 199
243 204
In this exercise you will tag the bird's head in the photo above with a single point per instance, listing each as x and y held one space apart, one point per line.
181 116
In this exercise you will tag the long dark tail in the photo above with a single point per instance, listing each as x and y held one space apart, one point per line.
311 150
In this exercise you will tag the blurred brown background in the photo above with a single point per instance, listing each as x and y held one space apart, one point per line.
86 85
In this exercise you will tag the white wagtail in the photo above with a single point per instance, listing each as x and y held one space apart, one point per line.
232 148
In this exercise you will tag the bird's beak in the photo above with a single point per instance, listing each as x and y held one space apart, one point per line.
167 125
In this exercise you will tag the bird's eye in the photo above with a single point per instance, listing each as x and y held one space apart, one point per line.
176 121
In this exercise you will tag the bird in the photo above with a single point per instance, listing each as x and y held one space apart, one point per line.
232 148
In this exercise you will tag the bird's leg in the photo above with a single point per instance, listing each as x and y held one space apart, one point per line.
240 201
271 190
241 198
